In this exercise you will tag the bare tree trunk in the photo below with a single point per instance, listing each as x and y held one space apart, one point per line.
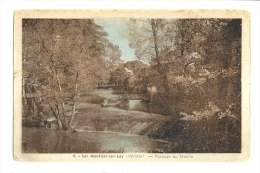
55 74
61 126
56 115
60 123
183 46
73 107
75 94
34 108
58 118
161 71
226 135
63 113
62 104
25 104
72 115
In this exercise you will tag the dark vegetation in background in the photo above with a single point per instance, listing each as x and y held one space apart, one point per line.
202 93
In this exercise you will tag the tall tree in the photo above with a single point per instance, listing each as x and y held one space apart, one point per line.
60 57
218 42
152 40
113 54
149 37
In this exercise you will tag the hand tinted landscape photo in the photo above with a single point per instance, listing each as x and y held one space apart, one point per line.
131 85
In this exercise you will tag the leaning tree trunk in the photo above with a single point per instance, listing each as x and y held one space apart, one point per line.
56 76
72 115
55 113
62 104
75 93
74 101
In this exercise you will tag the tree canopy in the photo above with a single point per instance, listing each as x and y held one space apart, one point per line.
62 57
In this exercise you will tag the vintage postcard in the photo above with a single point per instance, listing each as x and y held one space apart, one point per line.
131 85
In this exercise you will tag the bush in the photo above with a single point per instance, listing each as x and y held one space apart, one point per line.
88 97
212 130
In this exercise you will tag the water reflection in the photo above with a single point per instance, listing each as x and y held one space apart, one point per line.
140 105
131 104
55 141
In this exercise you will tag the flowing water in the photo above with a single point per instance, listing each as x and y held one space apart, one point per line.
132 104
37 140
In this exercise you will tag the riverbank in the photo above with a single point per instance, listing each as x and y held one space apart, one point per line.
92 117
211 134
102 130
120 115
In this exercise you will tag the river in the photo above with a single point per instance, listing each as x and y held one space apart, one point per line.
121 132
37 140
132 104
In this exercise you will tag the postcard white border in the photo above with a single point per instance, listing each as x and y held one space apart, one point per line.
144 157
9 165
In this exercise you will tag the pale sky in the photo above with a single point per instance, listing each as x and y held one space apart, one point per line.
117 34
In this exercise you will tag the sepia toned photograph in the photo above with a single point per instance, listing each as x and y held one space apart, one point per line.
131 84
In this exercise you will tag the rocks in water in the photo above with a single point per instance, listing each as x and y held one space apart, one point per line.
51 119
105 103
51 124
